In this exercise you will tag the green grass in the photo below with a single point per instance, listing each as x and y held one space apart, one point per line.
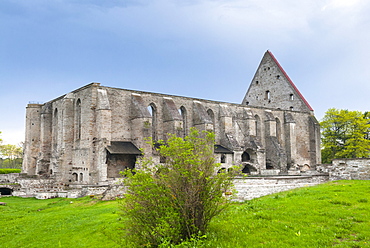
335 214
8 170
58 222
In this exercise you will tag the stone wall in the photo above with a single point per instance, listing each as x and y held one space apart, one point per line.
347 169
254 187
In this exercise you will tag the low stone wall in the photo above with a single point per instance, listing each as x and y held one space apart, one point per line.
254 187
347 169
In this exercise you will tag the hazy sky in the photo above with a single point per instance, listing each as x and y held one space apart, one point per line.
207 49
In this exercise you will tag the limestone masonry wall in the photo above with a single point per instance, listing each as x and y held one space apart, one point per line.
348 169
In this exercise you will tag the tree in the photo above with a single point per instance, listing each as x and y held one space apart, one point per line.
175 200
344 135
12 155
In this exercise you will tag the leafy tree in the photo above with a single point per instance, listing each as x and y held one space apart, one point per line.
12 156
174 201
345 134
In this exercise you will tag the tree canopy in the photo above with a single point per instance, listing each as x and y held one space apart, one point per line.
10 155
345 134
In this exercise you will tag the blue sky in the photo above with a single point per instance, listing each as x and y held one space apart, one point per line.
207 49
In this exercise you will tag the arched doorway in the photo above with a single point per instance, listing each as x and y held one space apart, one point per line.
6 191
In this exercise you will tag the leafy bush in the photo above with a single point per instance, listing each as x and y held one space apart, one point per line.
7 171
175 201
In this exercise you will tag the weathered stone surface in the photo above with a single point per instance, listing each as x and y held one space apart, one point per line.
347 169
271 132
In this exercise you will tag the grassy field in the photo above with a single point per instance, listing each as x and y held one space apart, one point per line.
335 214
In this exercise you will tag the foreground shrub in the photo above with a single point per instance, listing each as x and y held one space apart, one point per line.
7 171
176 200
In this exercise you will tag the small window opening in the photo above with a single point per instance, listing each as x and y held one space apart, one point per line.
75 177
268 68
269 166
291 97
223 158
291 108
278 76
247 103
267 95
257 82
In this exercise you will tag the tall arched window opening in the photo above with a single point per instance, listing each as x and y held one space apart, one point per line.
78 119
258 126
184 120
153 111
212 116
55 128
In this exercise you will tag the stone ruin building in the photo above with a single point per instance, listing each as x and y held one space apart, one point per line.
89 135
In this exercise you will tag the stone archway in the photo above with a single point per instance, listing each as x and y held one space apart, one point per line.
6 191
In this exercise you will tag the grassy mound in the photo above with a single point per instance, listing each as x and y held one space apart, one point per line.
335 214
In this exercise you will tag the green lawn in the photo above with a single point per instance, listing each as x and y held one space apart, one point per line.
335 214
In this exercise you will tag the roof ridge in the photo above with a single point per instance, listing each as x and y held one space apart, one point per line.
289 80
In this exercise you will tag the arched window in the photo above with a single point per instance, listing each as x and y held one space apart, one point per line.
153 111
246 157
75 177
184 120
55 128
258 125
212 116
81 177
78 119
246 169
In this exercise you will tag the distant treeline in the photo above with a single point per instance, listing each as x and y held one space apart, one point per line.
11 163
7 171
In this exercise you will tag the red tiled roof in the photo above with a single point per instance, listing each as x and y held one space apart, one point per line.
290 81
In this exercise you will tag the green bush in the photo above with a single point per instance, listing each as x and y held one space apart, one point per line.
7 171
175 201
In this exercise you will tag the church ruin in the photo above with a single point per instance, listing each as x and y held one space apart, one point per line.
89 135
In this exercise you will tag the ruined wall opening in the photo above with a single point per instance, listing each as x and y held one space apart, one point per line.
269 166
78 120
267 95
258 126
248 168
184 120
212 116
6 191
75 177
119 162
223 158
246 157
55 129
153 112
